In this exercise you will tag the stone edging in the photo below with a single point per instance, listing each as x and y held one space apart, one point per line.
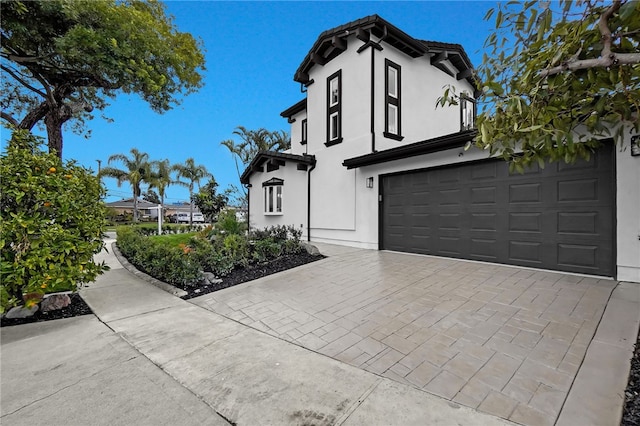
148 278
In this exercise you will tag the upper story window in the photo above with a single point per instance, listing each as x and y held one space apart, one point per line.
334 108
467 113
392 112
304 132
273 189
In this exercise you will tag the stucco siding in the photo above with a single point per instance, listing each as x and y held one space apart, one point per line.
294 196
628 214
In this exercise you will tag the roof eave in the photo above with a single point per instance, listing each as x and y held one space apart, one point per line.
441 143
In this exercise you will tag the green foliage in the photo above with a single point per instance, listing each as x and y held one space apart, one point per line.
137 169
166 262
209 202
62 59
193 173
237 248
553 81
228 223
275 241
174 239
52 220
252 142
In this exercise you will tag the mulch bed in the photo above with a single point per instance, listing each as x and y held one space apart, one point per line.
631 413
253 272
76 308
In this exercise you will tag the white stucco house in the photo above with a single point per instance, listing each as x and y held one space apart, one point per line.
373 164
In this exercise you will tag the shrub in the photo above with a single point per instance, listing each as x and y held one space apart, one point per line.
237 248
172 264
52 220
228 223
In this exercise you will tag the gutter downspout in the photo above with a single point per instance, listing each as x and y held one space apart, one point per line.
313 166
248 186
373 108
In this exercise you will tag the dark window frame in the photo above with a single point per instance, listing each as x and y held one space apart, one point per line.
463 100
304 132
391 100
334 109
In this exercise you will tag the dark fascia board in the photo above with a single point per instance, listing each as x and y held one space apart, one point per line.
294 109
264 156
441 143
394 36
457 56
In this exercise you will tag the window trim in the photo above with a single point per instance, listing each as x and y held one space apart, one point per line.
464 99
304 132
273 191
390 99
334 109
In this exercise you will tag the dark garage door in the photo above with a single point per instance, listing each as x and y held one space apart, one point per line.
560 217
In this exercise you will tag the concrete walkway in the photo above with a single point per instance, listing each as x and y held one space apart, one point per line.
152 358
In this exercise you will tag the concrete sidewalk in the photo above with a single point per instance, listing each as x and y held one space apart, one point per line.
153 358
186 365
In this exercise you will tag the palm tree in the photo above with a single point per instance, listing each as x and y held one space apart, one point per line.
137 170
193 173
254 141
161 178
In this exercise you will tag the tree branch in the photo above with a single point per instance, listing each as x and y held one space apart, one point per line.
607 57
9 118
21 81
35 115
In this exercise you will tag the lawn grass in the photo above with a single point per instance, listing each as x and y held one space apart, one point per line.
174 239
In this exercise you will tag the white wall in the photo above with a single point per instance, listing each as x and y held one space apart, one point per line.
628 214
421 85
294 198
296 133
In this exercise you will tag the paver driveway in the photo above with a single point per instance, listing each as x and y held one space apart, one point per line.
507 341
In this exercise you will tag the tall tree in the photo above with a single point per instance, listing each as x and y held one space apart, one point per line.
209 201
254 141
193 174
557 78
137 169
62 59
160 178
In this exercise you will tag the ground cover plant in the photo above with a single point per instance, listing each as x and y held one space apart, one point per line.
215 257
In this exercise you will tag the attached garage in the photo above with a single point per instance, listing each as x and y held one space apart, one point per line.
561 217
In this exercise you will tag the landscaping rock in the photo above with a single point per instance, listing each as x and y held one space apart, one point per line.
21 312
310 248
55 302
210 278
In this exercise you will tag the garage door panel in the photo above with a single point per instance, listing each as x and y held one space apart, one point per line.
527 252
582 256
484 171
484 195
578 190
525 193
560 217
525 222
484 249
484 221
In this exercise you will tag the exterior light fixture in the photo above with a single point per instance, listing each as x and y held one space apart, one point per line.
369 182
635 146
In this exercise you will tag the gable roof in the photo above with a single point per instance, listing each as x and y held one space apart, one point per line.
332 42
264 156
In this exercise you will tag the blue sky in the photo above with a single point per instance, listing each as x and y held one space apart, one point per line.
252 51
